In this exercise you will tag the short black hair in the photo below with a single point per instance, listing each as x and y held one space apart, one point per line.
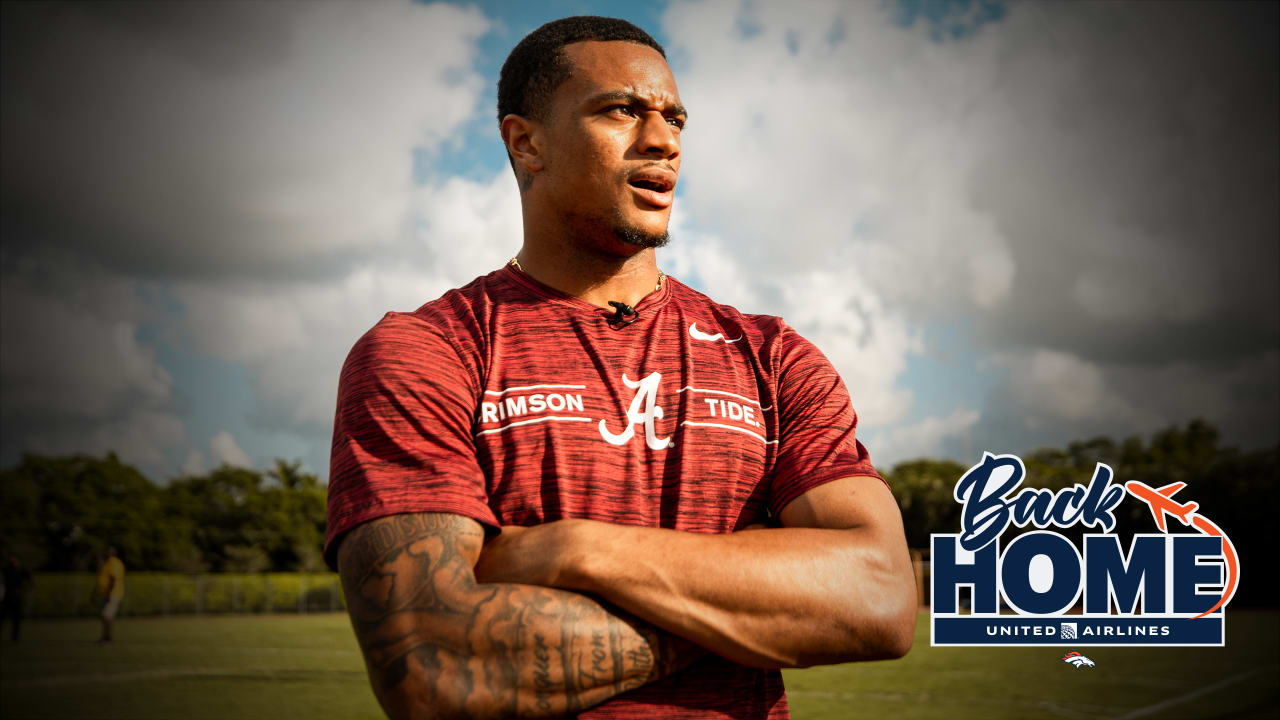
537 65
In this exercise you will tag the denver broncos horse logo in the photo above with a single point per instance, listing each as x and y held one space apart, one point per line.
1075 658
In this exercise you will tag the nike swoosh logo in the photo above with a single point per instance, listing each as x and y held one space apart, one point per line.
697 334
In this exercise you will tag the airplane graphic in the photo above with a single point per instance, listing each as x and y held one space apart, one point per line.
1162 504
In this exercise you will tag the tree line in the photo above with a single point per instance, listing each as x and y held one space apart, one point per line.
61 512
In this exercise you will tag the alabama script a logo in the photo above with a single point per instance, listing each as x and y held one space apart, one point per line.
644 410
1041 589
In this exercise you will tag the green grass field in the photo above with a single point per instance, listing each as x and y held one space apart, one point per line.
308 666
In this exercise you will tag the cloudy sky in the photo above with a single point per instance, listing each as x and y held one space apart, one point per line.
1008 226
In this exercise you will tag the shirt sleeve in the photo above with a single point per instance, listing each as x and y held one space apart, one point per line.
816 424
402 440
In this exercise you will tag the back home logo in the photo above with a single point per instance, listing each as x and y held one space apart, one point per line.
1166 589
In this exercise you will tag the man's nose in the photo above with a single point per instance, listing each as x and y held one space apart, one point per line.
658 137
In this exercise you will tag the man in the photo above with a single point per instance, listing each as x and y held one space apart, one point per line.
110 591
549 488
13 594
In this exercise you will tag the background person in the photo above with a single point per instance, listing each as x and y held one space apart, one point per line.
110 591
17 583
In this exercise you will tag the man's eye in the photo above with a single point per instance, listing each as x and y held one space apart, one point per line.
676 122
622 109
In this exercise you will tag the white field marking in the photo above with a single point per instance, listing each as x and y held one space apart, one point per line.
1165 704
530 422
731 427
535 387
722 392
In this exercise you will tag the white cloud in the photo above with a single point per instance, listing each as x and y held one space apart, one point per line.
1092 205
69 342
836 310
707 262
294 337
1133 152
1051 395
255 139
141 437
1048 386
1088 203
866 342
407 82
195 464
227 451
224 450
923 438
813 148
468 228
815 142
260 158
75 376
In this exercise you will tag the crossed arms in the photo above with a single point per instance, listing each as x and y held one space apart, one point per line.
451 626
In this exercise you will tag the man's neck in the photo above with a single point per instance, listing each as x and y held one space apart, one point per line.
595 278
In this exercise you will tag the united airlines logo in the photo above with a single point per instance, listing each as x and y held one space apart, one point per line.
1165 589
644 411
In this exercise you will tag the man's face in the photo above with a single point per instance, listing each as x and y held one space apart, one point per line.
613 145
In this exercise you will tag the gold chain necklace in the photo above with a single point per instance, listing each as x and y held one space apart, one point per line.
661 276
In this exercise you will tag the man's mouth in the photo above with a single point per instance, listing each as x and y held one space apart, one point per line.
651 185
654 186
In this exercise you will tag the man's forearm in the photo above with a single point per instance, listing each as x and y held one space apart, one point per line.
438 644
785 597
795 596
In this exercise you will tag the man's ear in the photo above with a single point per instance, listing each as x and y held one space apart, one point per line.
524 139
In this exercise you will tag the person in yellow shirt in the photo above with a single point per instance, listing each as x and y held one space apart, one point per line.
110 590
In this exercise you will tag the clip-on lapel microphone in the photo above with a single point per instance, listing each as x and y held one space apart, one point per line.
624 314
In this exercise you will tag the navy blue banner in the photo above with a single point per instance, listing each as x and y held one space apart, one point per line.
1076 630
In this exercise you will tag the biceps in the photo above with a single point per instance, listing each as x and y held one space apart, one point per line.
861 502
404 576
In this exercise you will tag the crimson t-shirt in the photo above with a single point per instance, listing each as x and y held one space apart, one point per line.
512 403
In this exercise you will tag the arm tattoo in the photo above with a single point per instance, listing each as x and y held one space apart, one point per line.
439 644
542 673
